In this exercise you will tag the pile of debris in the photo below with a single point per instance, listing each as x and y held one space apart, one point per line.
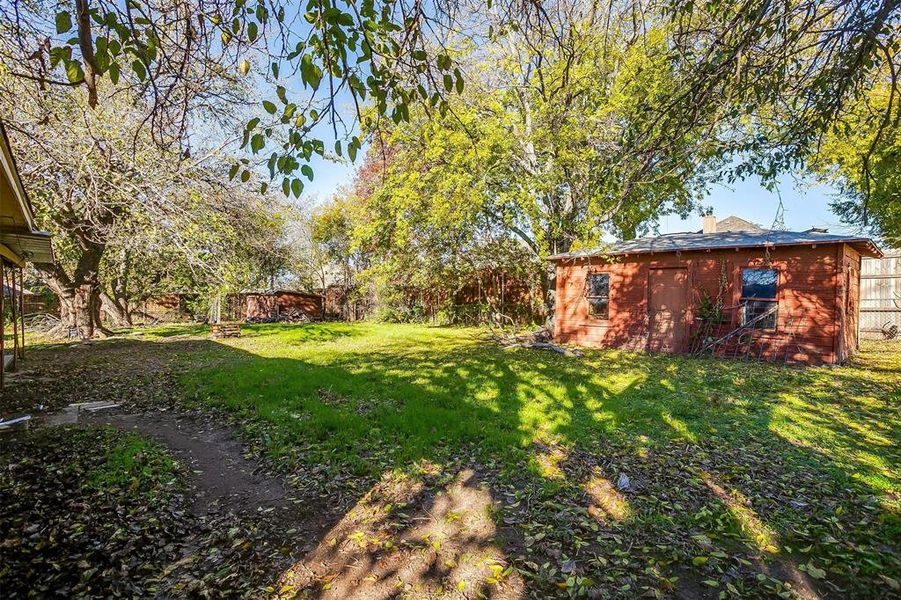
540 339
68 415
291 316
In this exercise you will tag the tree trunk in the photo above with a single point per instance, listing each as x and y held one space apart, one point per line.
79 295
549 290
549 281
84 310
96 304
66 312
117 308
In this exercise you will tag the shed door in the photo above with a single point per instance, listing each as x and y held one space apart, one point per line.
851 306
667 304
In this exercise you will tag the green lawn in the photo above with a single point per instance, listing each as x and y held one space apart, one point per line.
425 390
774 469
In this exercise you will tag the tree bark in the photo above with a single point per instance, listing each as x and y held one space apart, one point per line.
99 328
86 45
79 295
117 308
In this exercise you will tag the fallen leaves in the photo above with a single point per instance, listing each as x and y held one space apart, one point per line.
98 512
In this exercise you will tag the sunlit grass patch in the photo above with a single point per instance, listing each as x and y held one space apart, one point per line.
759 533
617 470
420 390
131 461
787 445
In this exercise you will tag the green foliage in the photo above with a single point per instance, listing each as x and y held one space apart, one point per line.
862 156
801 59
332 229
708 309
535 157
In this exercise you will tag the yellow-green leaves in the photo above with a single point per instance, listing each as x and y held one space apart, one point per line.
63 22
74 71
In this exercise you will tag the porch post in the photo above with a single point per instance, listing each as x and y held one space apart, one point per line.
15 317
2 320
22 311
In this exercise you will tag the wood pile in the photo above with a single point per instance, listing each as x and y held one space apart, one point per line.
225 330
289 316
539 339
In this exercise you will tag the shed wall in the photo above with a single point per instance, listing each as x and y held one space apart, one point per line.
809 301
848 307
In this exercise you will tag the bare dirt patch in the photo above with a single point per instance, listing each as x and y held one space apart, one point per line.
223 478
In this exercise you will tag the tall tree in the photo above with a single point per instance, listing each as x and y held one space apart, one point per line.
101 184
544 147
861 155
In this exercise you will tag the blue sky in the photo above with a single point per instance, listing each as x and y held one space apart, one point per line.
806 205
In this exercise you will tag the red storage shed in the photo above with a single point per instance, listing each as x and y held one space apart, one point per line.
278 305
749 292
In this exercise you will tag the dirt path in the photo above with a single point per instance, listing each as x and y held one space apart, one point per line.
223 478
142 379
242 521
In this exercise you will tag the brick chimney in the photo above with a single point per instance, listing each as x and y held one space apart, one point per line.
709 224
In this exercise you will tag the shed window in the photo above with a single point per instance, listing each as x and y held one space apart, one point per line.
758 295
597 292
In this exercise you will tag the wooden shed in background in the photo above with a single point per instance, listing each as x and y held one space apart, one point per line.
880 296
764 294
282 305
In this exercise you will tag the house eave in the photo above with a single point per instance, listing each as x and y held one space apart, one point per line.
865 246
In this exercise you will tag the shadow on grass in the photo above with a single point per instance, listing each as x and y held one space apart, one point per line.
429 395
167 331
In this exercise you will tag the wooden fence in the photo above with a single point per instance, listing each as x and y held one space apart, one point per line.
880 296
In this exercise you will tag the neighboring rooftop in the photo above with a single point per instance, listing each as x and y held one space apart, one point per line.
733 223
750 236
271 291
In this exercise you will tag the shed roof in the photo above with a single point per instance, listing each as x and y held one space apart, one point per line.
681 242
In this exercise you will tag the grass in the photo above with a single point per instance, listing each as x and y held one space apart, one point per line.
132 461
772 465
746 479
424 390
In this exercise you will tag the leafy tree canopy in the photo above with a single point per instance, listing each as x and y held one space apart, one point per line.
802 60
861 155
129 218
